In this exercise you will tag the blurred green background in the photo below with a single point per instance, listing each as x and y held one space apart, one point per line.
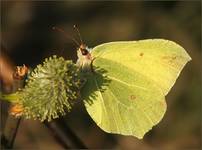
27 35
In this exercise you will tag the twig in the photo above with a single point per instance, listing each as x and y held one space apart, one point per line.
64 135
12 123
10 132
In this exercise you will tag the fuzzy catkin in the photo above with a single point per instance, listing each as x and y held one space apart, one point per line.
51 89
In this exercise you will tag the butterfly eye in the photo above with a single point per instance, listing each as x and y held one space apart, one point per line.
84 51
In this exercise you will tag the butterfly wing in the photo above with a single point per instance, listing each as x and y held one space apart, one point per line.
126 92
159 60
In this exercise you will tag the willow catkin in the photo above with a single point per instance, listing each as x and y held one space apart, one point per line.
51 89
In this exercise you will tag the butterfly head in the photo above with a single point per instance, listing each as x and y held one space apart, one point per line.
83 52
84 60
84 49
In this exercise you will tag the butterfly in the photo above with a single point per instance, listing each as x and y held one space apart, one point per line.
127 81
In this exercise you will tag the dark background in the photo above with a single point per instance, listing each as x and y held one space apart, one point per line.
28 38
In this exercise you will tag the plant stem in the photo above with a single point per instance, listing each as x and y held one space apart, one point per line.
10 132
64 135
12 123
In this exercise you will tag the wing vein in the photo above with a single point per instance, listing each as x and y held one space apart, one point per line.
102 100
123 82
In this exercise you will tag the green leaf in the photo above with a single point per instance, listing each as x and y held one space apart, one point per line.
13 97
126 92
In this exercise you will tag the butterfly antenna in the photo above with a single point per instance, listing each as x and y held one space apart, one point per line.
77 30
67 36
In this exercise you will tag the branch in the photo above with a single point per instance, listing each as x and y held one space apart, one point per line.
12 123
64 135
